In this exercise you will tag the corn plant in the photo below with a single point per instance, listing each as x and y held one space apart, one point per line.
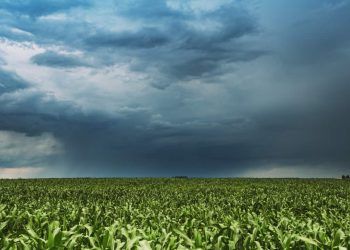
169 213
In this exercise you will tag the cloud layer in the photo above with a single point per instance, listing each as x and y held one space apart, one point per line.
161 88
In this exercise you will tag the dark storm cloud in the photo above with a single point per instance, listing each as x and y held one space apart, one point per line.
181 45
134 140
192 51
320 36
145 38
33 112
287 107
53 59
25 109
10 82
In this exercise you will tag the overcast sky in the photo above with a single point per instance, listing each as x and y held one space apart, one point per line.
165 87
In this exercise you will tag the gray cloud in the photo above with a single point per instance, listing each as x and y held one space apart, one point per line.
16 149
234 93
145 38
180 46
318 36
176 49
10 82
53 59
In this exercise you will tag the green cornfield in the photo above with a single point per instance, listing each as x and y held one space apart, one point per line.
170 213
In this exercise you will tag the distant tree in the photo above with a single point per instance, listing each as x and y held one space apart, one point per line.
343 177
347 177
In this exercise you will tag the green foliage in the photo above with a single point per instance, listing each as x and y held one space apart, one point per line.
174 213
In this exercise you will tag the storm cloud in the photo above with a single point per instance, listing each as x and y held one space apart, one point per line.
163 88
52 59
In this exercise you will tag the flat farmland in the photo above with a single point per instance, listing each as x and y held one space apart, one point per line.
172 213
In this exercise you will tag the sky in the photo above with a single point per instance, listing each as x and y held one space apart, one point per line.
224 88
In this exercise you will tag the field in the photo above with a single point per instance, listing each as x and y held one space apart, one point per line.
174 214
